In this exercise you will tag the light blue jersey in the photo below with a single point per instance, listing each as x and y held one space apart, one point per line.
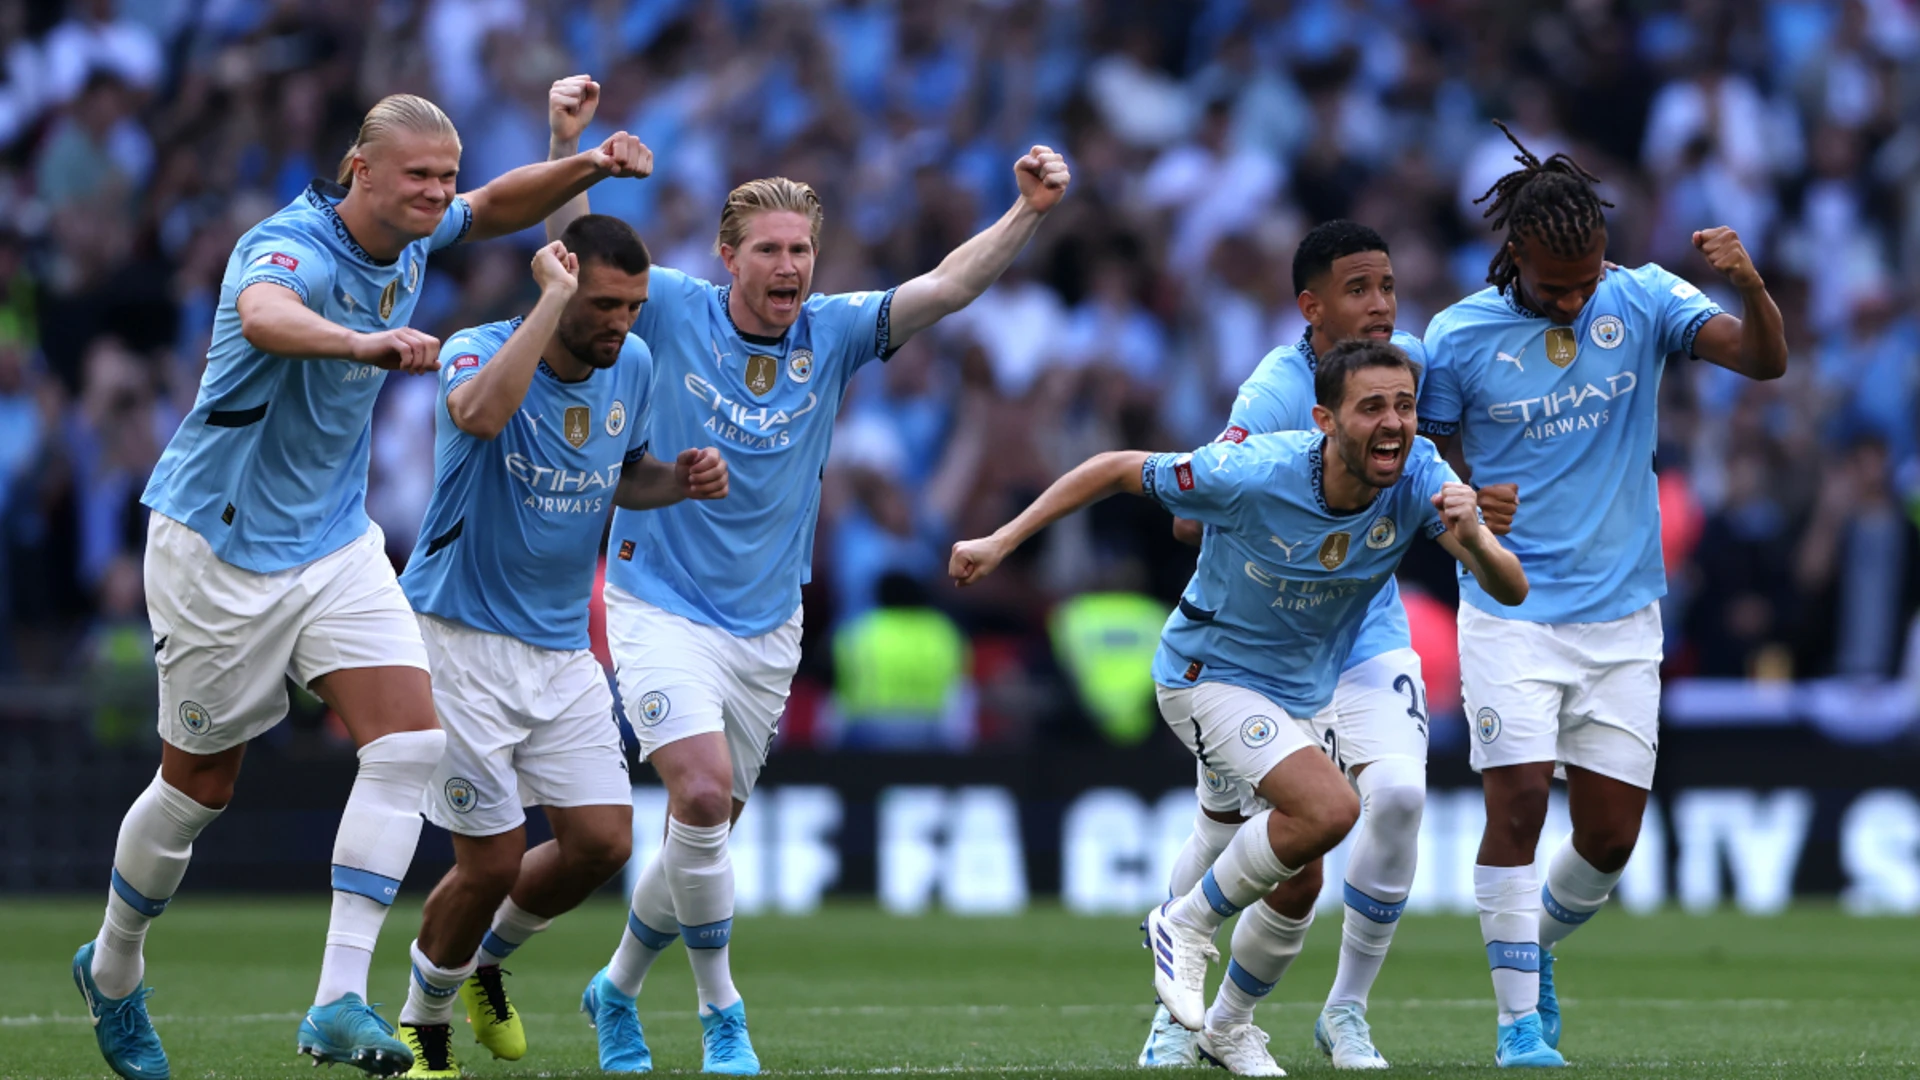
769 405
271 465
1569 413
511 540
1279 396
1283 582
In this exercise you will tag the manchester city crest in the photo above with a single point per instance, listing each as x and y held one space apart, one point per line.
1382 534
1215 782
195 718
1258 731
1607 331
800 365
461 794
616 420
653 707
1487 723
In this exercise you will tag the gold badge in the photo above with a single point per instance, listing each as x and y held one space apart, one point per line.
578 425
387 297
760 371
1333 550
1561 345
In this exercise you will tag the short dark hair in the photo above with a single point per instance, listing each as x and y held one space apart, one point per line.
1328 241
605 239
1331 373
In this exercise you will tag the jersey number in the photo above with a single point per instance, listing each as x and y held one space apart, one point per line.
1415 708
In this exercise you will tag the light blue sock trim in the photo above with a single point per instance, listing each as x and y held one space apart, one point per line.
648 936
1518 955
1245 980
1378 910
495 945
145 905
713 935
1215 898
366 883
431 990
1561 912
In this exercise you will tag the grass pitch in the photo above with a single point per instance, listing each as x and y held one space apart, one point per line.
1811 994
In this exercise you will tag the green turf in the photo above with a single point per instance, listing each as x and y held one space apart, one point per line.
1814 993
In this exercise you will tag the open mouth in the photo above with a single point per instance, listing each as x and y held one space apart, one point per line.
783 298
1380 331
1385 454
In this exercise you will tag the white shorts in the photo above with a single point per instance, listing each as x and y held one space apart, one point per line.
526 726
680 678
1237 736
1582 694
1379 711
226 639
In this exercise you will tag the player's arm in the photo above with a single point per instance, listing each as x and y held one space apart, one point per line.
1094 479
275 320
1496 569
969 269
482 405
571 103
649 483
526 196
1755 344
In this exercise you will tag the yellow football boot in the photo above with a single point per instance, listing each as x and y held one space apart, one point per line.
496 1024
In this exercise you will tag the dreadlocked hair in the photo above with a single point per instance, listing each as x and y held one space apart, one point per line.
1551 201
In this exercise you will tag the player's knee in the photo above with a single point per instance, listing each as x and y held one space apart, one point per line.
1332 818
600 854
1396 811
491 871
1609 851
1519 809
702 800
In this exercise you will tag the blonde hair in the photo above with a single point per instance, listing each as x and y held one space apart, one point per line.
396 112
759 196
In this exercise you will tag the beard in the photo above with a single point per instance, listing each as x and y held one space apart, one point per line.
586 349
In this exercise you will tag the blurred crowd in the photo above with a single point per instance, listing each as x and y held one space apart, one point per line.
139 138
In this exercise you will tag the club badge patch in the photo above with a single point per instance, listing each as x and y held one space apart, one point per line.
654 707
577 425
1562 346
1487 723
760 374
461 794
616 420
387 296
1382 534
195 718
800 365
1333 550
1258 731
1607 331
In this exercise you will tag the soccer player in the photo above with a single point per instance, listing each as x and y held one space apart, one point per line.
262 564
1304 529
542 427
1554 374
1376 731
703 600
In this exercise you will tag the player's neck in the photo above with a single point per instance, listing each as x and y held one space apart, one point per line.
569 368
375 238
1322 344
1345 492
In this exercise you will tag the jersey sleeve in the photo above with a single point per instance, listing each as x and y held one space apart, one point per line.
1680 309
1440 406
463 355
1264 406
454 225
288 258
859 322
1205 485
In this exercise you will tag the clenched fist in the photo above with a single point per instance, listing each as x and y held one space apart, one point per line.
402 349
701 474
973 560
1043 177
1498 503
570 106
624 155
1459 508
1728 256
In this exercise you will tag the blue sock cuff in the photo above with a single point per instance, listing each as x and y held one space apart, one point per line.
431 990
1561 912
495 945
1245 980
1215 898
145 905
1378 910
713 935
366 883
1517 955
647 935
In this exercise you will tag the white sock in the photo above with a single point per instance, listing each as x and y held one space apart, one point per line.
1509 902
432 989
1573 892
1246 871
512 926
371 852
1380 873
651 928
150 858
1204 844
1264 945
699 873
